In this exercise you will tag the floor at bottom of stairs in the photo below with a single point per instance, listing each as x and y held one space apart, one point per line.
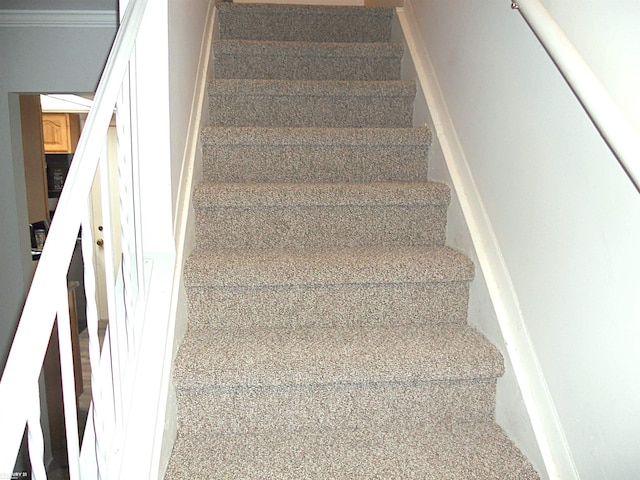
476 451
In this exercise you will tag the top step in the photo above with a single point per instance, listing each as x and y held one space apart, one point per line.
304 23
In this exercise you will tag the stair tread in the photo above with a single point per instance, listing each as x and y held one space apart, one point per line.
314 10
286 357
475 451
260 194
225 135
304 22
293 48
331 266
333 88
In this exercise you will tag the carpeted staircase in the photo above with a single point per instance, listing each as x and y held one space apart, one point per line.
327 332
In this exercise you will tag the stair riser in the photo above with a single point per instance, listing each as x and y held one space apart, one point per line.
327 306
350 407
320 226
307 68
315 163
304 24
310 110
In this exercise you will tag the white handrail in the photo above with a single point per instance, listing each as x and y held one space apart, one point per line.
623 139
26 357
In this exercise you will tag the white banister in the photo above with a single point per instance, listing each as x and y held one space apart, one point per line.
47 298
623 139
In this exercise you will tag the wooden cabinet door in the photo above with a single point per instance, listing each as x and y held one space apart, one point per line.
60 131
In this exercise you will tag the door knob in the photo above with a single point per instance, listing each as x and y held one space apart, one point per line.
100 242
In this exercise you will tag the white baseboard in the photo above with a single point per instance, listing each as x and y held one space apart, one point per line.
542 413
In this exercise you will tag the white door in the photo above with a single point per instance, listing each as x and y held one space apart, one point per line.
98 225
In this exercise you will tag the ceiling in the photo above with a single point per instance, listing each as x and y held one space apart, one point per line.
100 5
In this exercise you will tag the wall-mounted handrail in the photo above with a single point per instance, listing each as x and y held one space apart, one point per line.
621 136
29 347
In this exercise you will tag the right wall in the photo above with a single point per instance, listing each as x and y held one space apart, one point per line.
564 215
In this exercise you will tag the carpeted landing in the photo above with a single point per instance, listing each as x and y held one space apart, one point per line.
327 332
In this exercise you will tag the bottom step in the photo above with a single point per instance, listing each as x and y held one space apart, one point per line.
470 451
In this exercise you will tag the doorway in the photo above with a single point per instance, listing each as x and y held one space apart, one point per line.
50 129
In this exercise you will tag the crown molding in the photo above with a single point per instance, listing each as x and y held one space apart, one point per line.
58 18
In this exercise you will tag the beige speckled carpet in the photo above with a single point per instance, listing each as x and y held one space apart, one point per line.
327 332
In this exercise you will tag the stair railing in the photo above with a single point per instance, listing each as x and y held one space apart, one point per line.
623 139
47 302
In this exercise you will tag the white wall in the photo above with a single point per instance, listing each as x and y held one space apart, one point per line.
565 216
34 59
190 34
186 27
171 35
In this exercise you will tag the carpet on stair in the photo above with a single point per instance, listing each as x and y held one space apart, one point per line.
327 334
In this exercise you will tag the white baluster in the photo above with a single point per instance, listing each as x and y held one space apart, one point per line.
129 272
118 347
68 382
94 343
34 435
135 214
136 207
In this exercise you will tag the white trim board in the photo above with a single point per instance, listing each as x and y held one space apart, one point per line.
540 407
58 18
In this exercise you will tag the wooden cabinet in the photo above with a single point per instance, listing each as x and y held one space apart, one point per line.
61 132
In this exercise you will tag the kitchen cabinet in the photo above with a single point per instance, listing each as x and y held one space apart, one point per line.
61 132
